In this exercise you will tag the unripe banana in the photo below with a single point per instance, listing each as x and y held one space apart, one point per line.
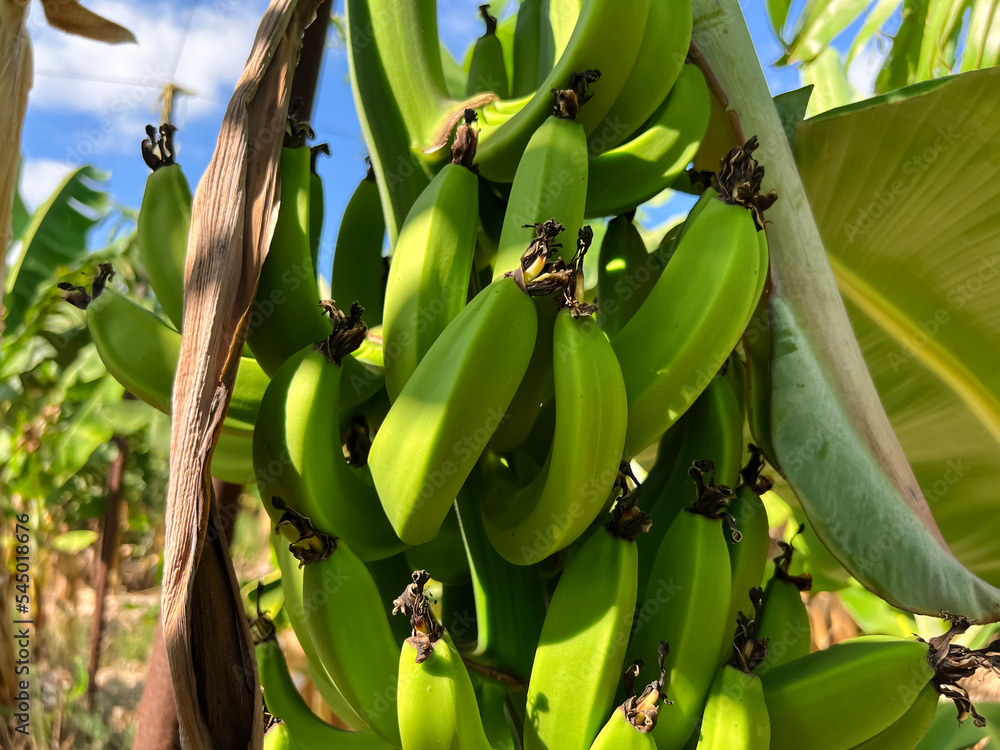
623 177
443 418
437 705
285 317
623 274
487 71
284 702
431 263
551 182
526 49
837 698
631 724
164 220
573 486
706 292
232 458
317 204
665 41
141 352
298 450
907 731
784 620
357 258
277 738
492 698
444 555
685 603
351 633
580 653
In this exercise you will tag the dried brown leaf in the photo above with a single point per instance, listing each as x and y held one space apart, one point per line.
73 18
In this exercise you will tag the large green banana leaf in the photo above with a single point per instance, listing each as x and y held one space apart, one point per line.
907 200
55 237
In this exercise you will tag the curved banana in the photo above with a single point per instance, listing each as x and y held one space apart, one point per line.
285 316
623 177
232 458
298 450
712 429
357 258
317 202
431 264
580 653
526 49
141 352
706 292
291 586
605 38
443 418
351 633
562 16
632 722
444 555
662 52
492 698
284 702
277 738
784 620
624 276
573 486
685 604
164 220
487 71
907 731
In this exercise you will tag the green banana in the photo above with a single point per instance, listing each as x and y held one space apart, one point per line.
533 522
623 177
748 556
141 352
298 449
526 49
487 71
624 277
443 418
712 429
437 706
784 620
493 709
357 258
662 52
278 738
444 555
562 18
907 731
387 573
605 39
551 181
284 702
231 458
583 641
431 263
685 603
164 219
285 316
630 726
317 204
706 292
735 713
351 633
291 586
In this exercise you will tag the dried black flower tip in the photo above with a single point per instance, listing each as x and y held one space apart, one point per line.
749 652
358 441
314 153
574 293
75 295
784 561
104 274
348 331
534 258
567 104
580 83
413 602
158 147
750 475
713 499
297 131
738 181
463 148
643 710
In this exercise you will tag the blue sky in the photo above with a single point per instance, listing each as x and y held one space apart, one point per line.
90 102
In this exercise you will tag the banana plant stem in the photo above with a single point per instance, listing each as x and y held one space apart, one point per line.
800 272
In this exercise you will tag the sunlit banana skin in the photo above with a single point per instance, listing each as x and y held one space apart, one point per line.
582 467
619 734
675 343
298 457
437 704
141 352
351 633
735 716
285 315
579 658
843 695
429 277
526 49
907 731
283 701
161 234
662 52
624 276
784 619
623 177
443 418
487 71
357 270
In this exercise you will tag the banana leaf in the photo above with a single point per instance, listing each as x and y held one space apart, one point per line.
905 195
20 216
55 237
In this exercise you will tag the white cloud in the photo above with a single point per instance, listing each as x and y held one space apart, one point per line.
120 85
39 177
864 68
